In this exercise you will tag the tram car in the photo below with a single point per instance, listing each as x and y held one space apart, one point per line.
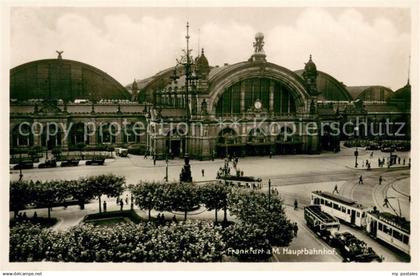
240 181
389 228
343 208
323 224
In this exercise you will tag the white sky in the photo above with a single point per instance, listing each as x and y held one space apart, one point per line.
359 46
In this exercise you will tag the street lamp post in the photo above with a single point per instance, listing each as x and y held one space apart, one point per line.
356 154
187 62
20 167
166 177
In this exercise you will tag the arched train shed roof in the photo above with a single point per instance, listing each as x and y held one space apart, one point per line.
330 88
63 79
370 93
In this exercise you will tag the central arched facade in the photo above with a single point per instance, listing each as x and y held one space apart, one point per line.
273 95
278 89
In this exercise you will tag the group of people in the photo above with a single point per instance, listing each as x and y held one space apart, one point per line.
366 164
120 202
160 219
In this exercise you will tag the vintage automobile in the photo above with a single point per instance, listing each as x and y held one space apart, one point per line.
70 163
51 163
403 148
388 149
95 161
352 249
122 152
373 146
23 165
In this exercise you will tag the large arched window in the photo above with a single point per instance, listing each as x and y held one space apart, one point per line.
77 134
256 89
22 136
227 136
51 135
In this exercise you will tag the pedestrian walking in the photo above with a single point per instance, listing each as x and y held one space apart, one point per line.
104 205
295 204
386 203
380 180
399 160
361 180
126 200
404 162
121 204
336 189
202 172
295 229
371 154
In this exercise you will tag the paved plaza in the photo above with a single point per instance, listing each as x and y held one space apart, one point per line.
293 176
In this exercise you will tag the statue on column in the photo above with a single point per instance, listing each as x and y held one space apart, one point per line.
204 107
59 54
259 54
185 175
259 43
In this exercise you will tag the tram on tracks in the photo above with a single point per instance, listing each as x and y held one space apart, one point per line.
343 208
320 222
327 227
391 229
240 181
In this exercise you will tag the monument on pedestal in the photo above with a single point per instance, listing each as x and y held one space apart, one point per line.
185 175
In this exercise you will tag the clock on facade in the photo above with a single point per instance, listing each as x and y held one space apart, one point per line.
257 104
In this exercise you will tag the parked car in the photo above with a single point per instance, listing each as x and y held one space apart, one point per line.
96 161
70 163
388 149
122 152
23 165
403 148
52 163
373 147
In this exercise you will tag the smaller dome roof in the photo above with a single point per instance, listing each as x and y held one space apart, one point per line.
202 60
310 65
134 85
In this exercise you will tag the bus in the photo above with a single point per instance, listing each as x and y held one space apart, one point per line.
345 209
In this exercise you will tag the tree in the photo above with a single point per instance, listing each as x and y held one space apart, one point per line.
264 212
109 185
56 152
149 195
80 190
214 197
33 154
183 197
247 242
46 194
20 195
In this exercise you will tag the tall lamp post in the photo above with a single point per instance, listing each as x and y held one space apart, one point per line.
190 77
356 154
20 166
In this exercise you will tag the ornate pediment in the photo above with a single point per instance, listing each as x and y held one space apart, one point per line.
49 107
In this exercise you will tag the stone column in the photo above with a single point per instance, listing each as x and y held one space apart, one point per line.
271 96
242 100
64 139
